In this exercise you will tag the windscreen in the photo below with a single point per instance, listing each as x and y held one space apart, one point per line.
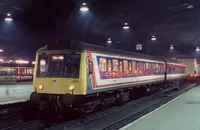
58 65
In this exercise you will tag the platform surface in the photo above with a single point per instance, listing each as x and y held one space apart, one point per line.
182 113
15 93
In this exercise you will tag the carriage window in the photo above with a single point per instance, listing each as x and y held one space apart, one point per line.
115 65
103 64
141 66
120 66
162 68
125 65
144 66
147 65
29 71
133 65
109 66
157 66
151 66
138 66
129 66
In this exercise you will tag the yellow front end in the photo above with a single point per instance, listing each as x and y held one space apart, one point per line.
61 85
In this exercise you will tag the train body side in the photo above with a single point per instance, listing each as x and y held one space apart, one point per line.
175 71
191 66
141 74
71 76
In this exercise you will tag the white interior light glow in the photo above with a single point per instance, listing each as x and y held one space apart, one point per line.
171 47
126 26
197 49
8 19
84 9
22 62
153 38
57 57
42 62
109 40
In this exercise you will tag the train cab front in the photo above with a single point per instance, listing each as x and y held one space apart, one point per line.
57 79
54 92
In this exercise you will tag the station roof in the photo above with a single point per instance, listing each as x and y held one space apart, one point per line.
57 45
173 22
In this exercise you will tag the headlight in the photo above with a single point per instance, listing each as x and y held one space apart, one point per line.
71 87
40 87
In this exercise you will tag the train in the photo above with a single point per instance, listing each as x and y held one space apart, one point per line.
12 72
73 74
192 69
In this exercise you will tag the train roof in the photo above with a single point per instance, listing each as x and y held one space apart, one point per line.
172 61
80 46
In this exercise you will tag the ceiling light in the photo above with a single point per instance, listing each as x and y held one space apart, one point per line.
189 6
171 47
84 8
109 40
197 49
153 38
126 26
8 19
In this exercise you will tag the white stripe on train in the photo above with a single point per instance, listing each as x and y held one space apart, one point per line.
102 82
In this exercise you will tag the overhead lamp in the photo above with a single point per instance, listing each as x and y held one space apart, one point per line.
197 49
189 6
153 38
84 8
8 17
1 50
171 47
125 26
109 41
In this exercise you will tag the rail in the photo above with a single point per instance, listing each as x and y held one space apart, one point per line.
123 121
32 125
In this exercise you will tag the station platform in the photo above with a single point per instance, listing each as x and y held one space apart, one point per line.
19 92
182 113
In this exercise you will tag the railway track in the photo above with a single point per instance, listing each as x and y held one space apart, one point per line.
39 124
32 125
119 124
77 124
95 116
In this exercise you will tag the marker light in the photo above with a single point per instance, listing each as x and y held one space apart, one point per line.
40 87
71 87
